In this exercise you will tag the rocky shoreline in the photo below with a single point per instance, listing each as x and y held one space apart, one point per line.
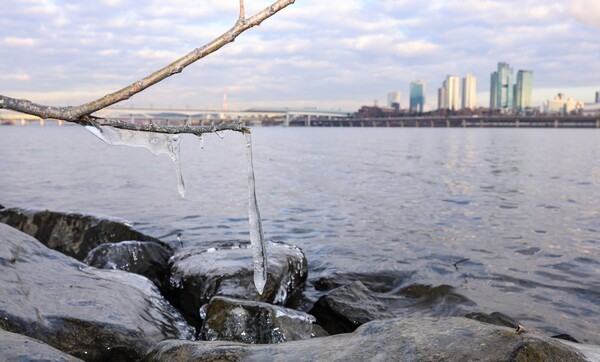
81 287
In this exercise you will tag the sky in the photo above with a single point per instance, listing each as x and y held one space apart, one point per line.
314 53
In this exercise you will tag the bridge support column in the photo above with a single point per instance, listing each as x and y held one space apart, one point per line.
464 123
188 120
447 123
517 123
556 123
598 123
308 121
286 121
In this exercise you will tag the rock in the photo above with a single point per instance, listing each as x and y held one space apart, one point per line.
255 322
401 339
70 233
347 307
15 347
90 313
146 258
401 296
496 318
199 274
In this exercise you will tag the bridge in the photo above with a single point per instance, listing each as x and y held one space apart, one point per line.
493 121
314 117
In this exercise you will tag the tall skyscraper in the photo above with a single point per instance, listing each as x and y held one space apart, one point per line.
417 96
469 92
442 97
523 90
597 97
393 100
501 88
453 92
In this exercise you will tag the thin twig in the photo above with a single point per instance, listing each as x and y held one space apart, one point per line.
460 261
82 114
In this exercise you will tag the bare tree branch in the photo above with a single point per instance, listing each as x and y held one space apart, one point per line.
82 114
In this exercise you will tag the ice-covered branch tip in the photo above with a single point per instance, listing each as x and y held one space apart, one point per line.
153 127
82 114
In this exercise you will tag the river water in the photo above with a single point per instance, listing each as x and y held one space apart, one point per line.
509 218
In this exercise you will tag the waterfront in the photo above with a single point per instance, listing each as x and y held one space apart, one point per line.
520 205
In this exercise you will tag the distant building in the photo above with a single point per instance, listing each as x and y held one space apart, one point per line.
597 97
453 92
442 97
417 96
523 90
394 100
561 105
469 92
501 88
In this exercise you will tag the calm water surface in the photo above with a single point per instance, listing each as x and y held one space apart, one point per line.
522 205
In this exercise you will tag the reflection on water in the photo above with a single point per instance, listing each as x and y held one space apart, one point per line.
520 205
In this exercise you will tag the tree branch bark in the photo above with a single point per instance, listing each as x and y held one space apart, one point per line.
82 114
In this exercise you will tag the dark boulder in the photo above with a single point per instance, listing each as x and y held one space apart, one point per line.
198 274
90 313
402 339
497 318
70 233
146 258
16 347
347 307
255 322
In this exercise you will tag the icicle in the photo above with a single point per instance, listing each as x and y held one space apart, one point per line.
221 134
257 239
157 143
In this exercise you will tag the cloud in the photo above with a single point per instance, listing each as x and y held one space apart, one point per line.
19 42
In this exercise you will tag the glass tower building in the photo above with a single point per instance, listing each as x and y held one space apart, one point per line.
417 96
501 88
523 90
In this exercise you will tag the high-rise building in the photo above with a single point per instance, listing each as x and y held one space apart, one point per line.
417 96
443 97
393 100
469 91
597 97
523 90
453 92
501 88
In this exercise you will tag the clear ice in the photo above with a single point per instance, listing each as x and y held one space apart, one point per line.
257 238
157 143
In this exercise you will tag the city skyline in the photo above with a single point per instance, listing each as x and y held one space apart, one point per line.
65 53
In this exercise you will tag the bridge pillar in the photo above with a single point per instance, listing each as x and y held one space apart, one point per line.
517 123
464 123
286 121
598 123
308 121
556 123
188 120
447 123
432 124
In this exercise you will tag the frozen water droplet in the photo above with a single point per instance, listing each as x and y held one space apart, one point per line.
201 138
202 311
179 240
157 143
221 134
257 238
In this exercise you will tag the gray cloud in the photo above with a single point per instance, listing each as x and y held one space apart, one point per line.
320 53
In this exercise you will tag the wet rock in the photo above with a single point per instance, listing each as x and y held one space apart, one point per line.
198 274
90 313
255 322
347 307
146 258
70 233
16 347
400 296
402 339
380 282
496 318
